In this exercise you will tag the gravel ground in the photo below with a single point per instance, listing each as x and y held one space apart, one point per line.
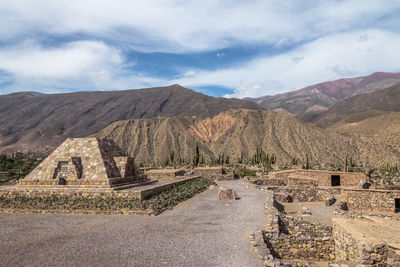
199 232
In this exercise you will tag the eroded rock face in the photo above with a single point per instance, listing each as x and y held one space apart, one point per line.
227 194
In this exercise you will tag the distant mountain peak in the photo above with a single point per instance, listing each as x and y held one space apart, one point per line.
327 94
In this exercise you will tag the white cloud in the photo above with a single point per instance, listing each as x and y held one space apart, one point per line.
328 58
330 39
72 60
83 65
177 26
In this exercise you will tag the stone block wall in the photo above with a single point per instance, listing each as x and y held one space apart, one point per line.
87 162
300 182
164 174
290 237
209 170
351 249
304 194
322 177
371 199
304 240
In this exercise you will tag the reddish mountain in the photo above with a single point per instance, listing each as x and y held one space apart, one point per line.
382 101
317 98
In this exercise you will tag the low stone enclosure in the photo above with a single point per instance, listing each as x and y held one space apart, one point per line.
158 174
344 234
314 185
373 200
289 237
366 240
318 177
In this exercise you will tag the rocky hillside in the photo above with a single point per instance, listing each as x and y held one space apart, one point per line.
31 121
243 131
309 101
368 123
386 100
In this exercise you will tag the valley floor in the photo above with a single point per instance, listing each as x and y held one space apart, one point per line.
201 231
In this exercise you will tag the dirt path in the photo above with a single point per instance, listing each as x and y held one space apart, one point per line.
199 232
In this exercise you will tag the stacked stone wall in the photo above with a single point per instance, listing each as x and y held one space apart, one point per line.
89 162
164 174
304 240
308 194
322 177
88 191
371 200
350 249
210 170
290 237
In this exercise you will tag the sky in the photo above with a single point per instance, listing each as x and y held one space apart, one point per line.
220 48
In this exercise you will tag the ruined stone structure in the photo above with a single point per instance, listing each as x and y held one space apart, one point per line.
373 199
85 163
351 240
319 178
370 241
209 170
289 237
159 174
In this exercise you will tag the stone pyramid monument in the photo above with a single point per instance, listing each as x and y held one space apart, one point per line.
85 163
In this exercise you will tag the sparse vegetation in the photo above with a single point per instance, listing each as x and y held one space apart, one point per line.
157 203
17 166
245 172
263 160
306 164
196 158
349 164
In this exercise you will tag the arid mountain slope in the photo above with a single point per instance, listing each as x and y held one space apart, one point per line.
371 123
314 99
386 100
29 120
236 131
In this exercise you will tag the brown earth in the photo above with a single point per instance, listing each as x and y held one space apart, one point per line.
243 131
30 121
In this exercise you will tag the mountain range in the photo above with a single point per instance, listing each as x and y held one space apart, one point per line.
309 102
385 100
354 117
31 121
236 132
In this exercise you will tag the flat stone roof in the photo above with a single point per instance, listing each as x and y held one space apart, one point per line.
372 229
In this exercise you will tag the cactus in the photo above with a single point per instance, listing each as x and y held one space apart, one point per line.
196 158
306 164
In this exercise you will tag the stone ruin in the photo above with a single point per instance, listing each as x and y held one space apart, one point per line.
343 234
85 163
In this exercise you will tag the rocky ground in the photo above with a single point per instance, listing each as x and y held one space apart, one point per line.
199 232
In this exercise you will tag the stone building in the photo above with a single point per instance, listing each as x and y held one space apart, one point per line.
319 178
85 163
372 199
